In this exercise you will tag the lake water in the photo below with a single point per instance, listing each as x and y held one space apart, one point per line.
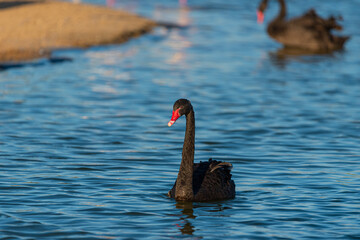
86 153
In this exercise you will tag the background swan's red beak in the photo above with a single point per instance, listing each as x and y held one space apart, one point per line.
174 117
260 16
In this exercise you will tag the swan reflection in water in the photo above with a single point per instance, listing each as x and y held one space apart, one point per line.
186 228
285 55
187 218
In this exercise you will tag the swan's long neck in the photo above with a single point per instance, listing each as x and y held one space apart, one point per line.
184 182
277 25
282 12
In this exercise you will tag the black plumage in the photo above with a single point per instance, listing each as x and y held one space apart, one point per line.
204 181
309 32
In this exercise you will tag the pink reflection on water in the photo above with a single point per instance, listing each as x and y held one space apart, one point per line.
183 3
110 3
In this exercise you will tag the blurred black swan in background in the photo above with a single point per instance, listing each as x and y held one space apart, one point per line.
309 32
204 181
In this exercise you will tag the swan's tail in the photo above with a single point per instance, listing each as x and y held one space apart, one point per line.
339 41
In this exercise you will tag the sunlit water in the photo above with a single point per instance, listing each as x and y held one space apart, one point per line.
86 153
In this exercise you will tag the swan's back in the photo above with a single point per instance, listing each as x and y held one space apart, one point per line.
309 31
211 181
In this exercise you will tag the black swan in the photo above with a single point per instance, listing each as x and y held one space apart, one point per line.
310 31
204 181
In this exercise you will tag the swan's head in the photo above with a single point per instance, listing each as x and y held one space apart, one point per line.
260 11
181 107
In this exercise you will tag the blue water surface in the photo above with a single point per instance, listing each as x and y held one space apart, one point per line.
86 153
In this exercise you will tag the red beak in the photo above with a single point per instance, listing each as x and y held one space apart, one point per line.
260 16
174 117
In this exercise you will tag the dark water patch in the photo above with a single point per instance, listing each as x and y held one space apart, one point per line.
81 169
8 4
24 159
14 188
86 152
36 63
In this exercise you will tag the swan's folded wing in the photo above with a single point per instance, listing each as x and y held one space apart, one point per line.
224 165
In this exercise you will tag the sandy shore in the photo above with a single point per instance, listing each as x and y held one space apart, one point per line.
33 30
